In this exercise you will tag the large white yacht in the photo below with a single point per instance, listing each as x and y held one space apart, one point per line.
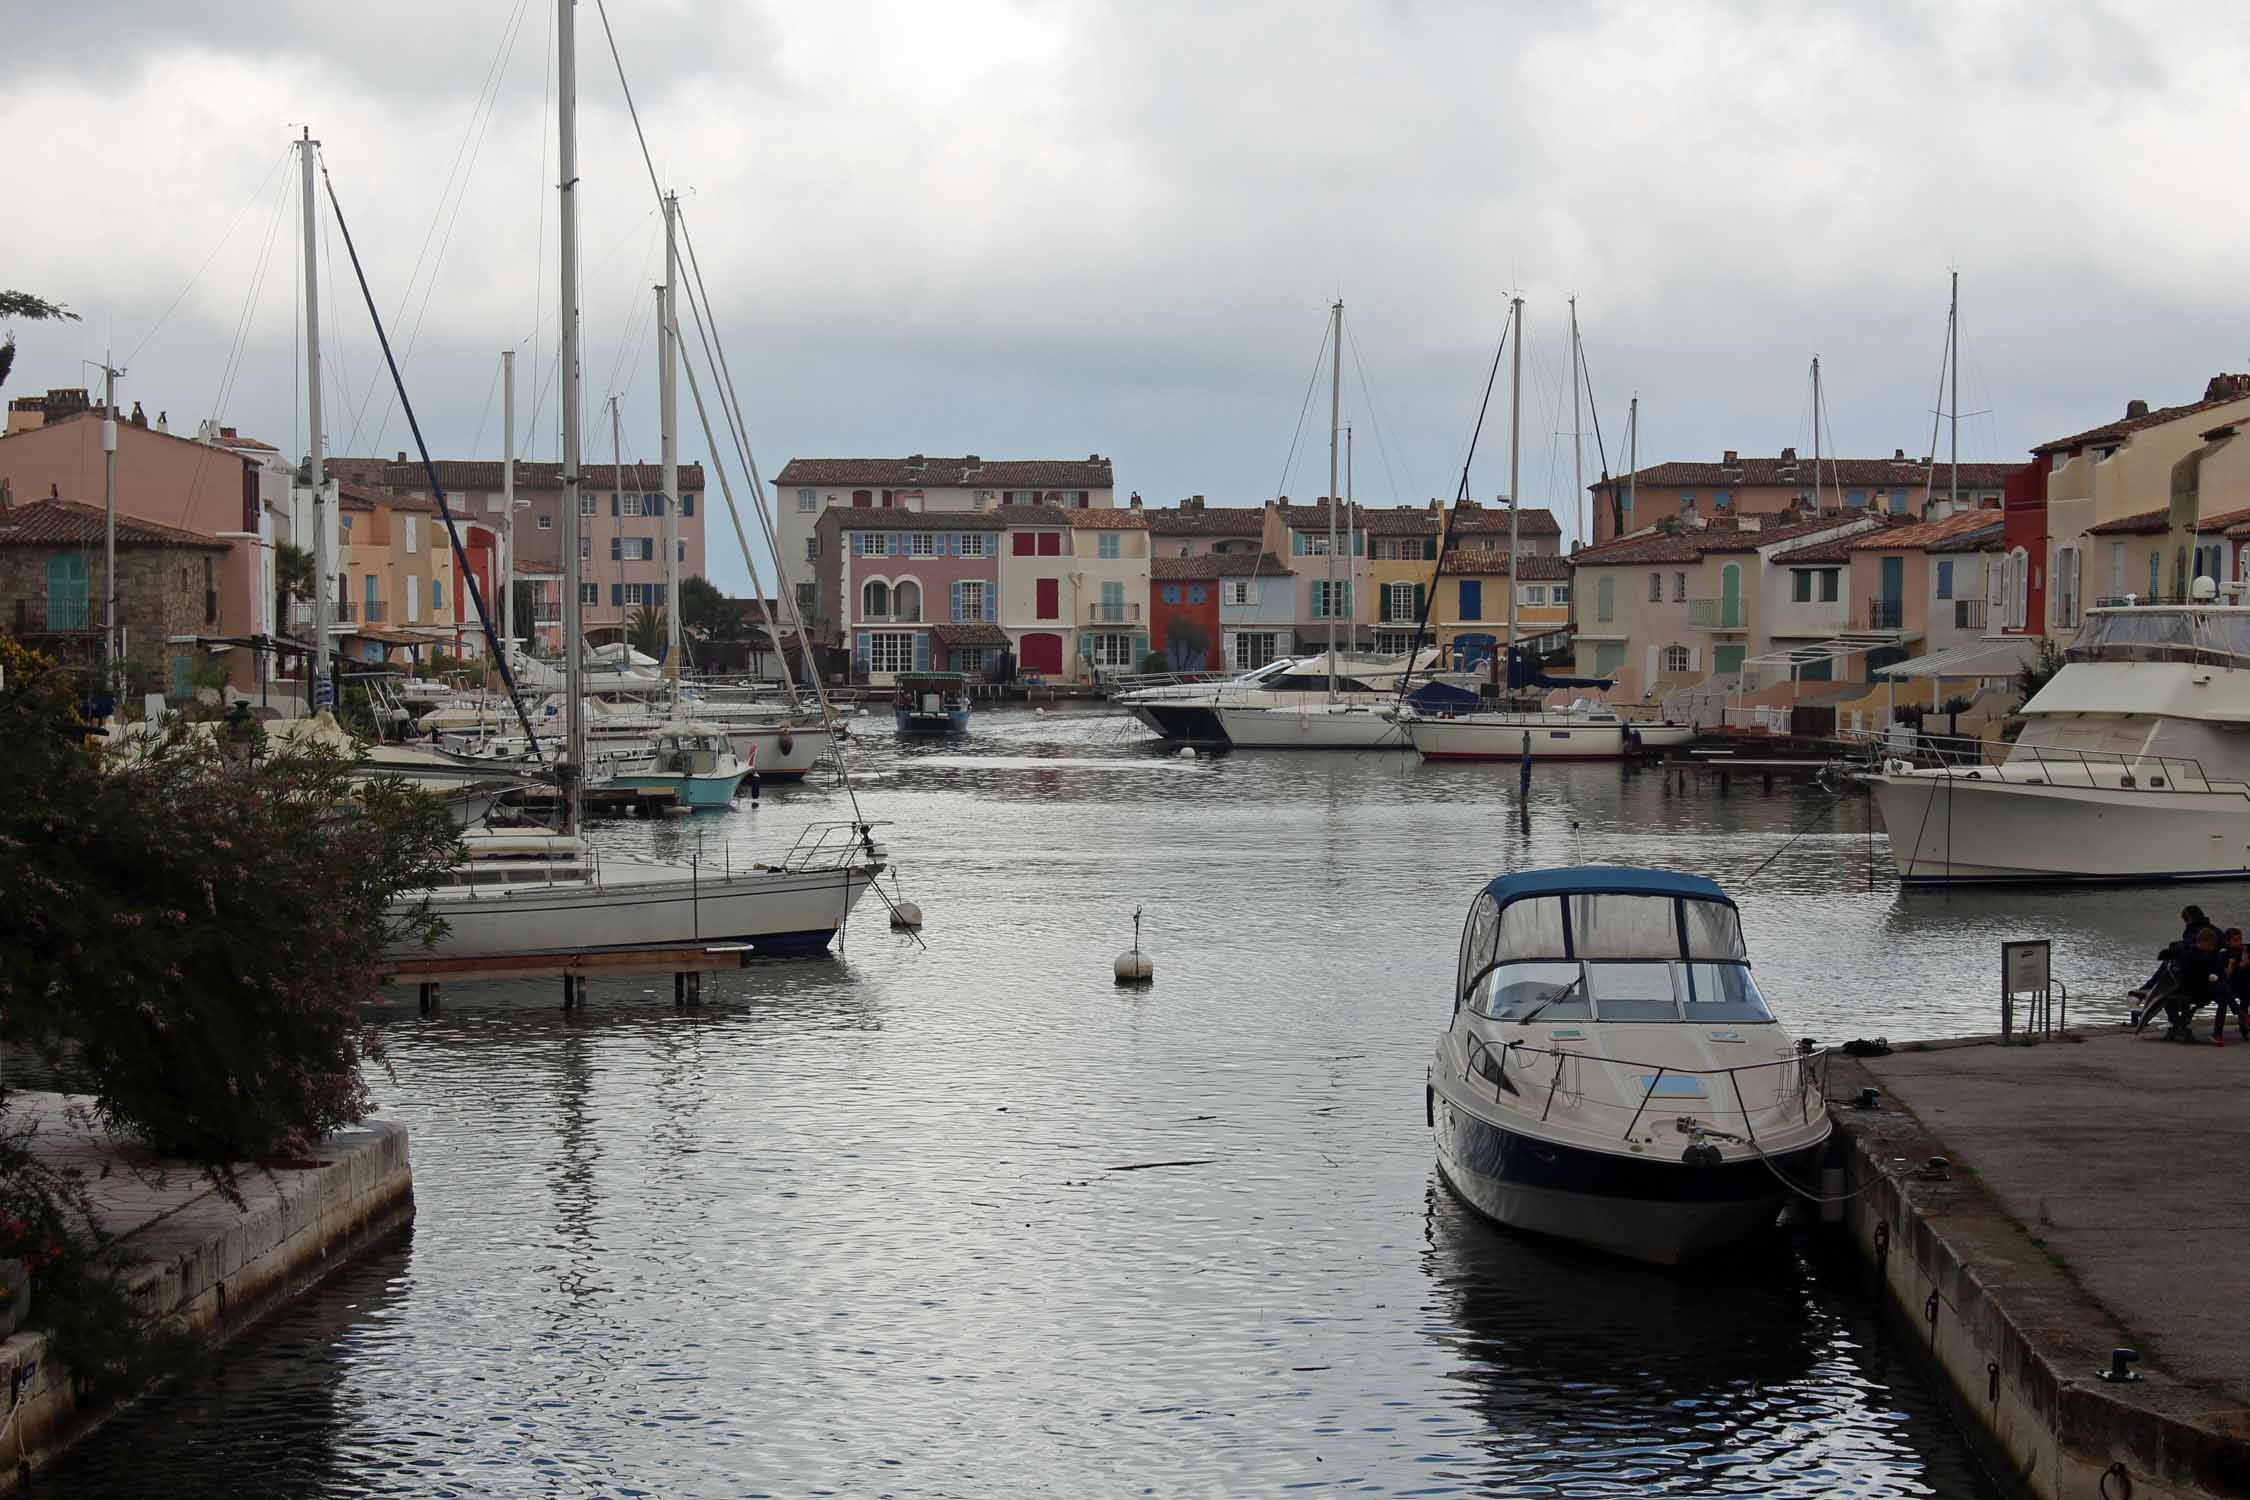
1611 1075
1285 704
2133 764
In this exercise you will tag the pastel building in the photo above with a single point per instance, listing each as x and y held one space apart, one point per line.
1753 486
1183 611
1469 615
912 591
398 583
1195 529
1257 611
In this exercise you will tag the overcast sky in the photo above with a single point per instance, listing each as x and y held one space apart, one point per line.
1048 230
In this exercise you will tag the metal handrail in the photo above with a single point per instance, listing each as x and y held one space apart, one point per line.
831 846
1804 1082
2136 771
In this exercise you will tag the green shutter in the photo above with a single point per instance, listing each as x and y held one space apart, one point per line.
1421 600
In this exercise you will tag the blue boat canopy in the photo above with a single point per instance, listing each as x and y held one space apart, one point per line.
1601 913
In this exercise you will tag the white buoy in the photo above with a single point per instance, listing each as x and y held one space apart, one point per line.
905 915
1133 966
1187 752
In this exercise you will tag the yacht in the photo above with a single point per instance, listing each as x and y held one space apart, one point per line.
2133 764
1287 704
1611 1074
1187 711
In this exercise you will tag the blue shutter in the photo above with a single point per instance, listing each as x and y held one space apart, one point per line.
616 548
617 593
921 651
660 596
1086 644
955 616
1296 544
991 602
1140 648
613 506
687 505
859 653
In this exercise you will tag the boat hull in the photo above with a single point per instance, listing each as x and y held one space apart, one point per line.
772 911
1189 723
780 753
1470 739
1314 727
914 724
1950 829
694 791
1649 1209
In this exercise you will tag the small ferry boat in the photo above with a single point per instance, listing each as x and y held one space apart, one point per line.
695 760
1611 1074
931 703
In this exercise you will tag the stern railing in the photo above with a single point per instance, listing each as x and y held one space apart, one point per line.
1809 1081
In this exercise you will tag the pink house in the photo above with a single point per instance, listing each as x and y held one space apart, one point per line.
912 591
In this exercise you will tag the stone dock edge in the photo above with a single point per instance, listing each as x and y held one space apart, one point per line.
220 1269
2017 1339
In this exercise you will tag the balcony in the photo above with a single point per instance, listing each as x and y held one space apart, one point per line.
1716 614
50 615
1968 614
1104 612
373 610
346 613
1886 614
546 614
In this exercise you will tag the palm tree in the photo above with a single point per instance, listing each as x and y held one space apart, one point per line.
31 309
646 631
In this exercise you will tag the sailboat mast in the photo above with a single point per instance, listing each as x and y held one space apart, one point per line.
508 496
573 768
1335 422
668 400
1577 436
1953 343
1816 433
1351 544
1515 464
317 459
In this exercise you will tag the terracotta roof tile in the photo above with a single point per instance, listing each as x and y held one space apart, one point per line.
1474 520
1102 518
1754 473
1264 565
1207 566
1493 563
480 474
970 635
2218 391
876 518
1199 520
66 523
919 472
1923 535
1689 545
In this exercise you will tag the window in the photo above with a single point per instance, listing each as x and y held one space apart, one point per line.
1047 604
862 499
973 544
2117 569
812 548
413 598
924 544
1084 500
1553 991
585 503
1656 588
546 523
1679 588
1050 543
1945 578
589 593
1898 502
890 651
413 533
1113 601
1111 649
437 595
1252 649
1198 594
808 599
1535 593
1723 992
906 600
1315 544
631 548
1171 593
2066 586
1398 602
1831 582
625 505
1472 599
1800 585
638 594
875 600
1856 498
1331 600
1676 659
1562 593
1687 503
971 594
2155 566
1238 593
807 500
1105 545
585 545
1721 500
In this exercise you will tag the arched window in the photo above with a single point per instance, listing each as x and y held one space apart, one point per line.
875 600
906 600
2015 576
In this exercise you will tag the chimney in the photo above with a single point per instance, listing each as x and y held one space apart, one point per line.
2137 408
1730 460
402 455
972 460
1788 455
228 432
164 421
1136 503
1898 455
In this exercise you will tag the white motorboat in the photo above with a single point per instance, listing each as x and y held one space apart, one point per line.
2133 765
1512 734
525 895
1611 1074
1315 724
1276 706
1187 711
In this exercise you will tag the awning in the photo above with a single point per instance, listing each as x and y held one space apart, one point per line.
970 635
1993 658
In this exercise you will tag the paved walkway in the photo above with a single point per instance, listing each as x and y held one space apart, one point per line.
2129 1159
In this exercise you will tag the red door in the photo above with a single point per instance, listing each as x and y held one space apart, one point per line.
1050 599
1042 654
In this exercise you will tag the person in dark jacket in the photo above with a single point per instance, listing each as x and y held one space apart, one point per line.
2238 979
2192 921
2203 976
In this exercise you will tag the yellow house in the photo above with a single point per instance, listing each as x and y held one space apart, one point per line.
395 575
1471 608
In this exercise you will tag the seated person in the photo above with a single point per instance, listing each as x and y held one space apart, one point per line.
2192 921
2202 973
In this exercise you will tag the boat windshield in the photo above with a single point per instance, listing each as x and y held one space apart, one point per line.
2159 633
1619 991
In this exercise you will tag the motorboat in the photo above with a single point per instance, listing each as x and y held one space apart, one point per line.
931 703
1187 711
533 894
784 745
1612 1075
1291 703
696 761
1515 733
2133 764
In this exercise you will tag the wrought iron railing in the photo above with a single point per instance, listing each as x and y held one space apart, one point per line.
1968 614
1886 614
1715 614
49 614
1110 612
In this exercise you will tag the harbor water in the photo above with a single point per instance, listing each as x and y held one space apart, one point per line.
963 1218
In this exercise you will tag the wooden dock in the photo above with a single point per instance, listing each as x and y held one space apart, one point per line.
687 964
607 801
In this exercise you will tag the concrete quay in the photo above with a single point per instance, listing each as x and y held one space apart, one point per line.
2096 1199
186 1250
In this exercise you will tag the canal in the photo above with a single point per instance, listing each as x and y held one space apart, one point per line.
965 1219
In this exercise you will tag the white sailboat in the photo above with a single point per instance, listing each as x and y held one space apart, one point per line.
549 894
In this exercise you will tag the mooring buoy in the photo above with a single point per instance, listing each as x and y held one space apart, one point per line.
1133 966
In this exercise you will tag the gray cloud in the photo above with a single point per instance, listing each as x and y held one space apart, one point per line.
1054 229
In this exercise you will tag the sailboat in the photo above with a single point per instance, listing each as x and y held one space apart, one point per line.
1351 714
523 895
